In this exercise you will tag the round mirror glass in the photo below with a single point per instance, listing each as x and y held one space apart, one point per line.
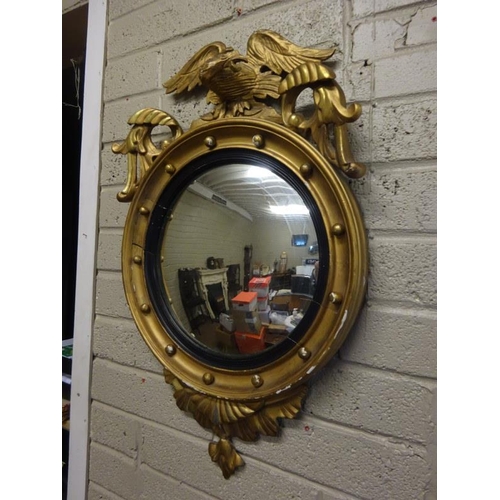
235 267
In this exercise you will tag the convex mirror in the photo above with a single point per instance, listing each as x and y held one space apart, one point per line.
244 252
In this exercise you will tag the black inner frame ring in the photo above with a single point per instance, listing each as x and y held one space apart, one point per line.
160 217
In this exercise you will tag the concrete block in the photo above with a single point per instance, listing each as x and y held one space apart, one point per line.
406 74
422 27
403 269
401 199
318 24
158 486
96 492
114 429
117 9
132 74
116 114
109 249
374 400
110 296
405 130
404 340
174 453
354 462
113 167
143 394
119 340
359 136
362 8
243 7
115 472
363 41
357 82
112 213
161 21
375 40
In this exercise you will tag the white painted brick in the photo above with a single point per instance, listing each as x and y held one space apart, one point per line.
354 462
174 453
157 486
96 492
404 340
362 8
112 213
423 27
357 82
363 41
374 400
114 472
119 340
403 269
113 167
160 21
143 394
374 40
359 136
406 74
318 23
401 199
315 459
110 296
385 37
131 75
109 250
245 6
121 7
405 130
114 430
116 114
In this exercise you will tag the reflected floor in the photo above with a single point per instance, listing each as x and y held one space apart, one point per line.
215 336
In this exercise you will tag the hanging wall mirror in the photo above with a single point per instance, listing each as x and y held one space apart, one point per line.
244 252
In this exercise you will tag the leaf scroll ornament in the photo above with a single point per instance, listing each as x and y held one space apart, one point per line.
231 418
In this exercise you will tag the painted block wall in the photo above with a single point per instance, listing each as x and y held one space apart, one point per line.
368 429
201 229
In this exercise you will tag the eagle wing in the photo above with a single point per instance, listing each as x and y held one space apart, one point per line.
189 75
268 48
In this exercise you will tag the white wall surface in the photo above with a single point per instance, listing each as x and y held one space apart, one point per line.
368 429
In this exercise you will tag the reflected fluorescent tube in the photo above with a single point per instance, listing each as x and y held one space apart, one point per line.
259 172
289 210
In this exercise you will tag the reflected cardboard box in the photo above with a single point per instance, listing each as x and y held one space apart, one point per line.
250 342
227 322
245 301
260 286
248 322
264 315
262 303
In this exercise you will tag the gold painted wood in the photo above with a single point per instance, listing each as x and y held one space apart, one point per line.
244 404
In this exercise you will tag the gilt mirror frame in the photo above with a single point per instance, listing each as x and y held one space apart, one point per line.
254 119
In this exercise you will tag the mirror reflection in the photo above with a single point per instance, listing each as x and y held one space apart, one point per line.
236 259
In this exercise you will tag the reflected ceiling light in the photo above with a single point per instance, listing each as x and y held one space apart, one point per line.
289 210
259 172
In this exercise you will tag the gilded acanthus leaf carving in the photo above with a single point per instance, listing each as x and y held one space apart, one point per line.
330 111
139 145
226 456
240 419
